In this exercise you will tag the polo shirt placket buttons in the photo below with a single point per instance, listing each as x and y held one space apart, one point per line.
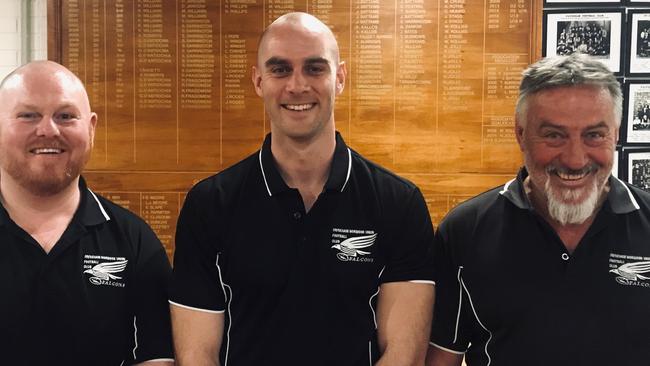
565 256
297 216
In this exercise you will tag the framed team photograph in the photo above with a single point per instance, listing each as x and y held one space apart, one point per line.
635 128
596 32
638 168
565 3
639 40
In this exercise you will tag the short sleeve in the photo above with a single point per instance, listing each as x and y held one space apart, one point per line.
196 282
449 330
151 324
410 257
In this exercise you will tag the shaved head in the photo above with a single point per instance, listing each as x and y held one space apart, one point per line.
40 69
299 22
46 128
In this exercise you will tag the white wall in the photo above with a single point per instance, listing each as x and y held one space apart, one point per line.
23 33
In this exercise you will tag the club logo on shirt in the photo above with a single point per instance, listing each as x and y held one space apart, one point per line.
103 270
630 270
353 245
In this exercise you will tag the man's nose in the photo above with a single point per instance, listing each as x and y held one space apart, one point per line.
575 154
47 127
297 83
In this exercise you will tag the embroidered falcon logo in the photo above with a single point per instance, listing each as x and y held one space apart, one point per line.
104 271
632 271
352 246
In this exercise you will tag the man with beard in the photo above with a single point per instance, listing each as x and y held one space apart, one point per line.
304 253
553 268
83 281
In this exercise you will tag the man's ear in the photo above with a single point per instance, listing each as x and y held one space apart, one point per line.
341 73
519 133
256 77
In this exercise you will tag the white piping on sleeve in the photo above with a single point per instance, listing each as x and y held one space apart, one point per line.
634 202
196 309
426 282
446 349
374 315
135 338
229 298
263 174
471 303
347 177
160 360
460 304
101 208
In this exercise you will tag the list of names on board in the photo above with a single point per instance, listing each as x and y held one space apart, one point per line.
430 90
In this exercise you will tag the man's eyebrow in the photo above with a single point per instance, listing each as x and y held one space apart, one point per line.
316 60
547 124
274 61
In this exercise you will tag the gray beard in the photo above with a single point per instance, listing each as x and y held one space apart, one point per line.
566 213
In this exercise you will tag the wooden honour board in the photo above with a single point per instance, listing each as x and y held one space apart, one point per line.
430 93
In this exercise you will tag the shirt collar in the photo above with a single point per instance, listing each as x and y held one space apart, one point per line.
620 197
90 210
339 172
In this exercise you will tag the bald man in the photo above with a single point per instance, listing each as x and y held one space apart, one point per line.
304 253
82 281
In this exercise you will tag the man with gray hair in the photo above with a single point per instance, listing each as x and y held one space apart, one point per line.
552 268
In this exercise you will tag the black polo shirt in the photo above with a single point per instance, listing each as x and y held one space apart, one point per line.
299 288
509 293
98 298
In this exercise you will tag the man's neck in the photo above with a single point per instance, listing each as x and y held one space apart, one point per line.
305 165
45 218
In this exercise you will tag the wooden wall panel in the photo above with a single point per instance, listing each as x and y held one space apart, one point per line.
430 93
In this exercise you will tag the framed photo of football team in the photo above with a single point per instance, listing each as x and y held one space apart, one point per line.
639 42
596 32
638 167
635 128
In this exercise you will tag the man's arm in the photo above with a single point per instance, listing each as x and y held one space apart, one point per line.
197 336
439 357
404 322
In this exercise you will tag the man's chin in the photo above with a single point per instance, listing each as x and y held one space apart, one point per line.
572 206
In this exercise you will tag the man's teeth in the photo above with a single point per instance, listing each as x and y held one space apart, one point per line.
47 151
567 176
298 107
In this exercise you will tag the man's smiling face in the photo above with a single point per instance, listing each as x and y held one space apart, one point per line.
568 141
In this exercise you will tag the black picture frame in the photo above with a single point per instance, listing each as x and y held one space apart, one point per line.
636 166
598 32
635 127
638 41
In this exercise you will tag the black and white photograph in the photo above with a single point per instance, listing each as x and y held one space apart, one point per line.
637 118
565 3
639 40
639 169
597 33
